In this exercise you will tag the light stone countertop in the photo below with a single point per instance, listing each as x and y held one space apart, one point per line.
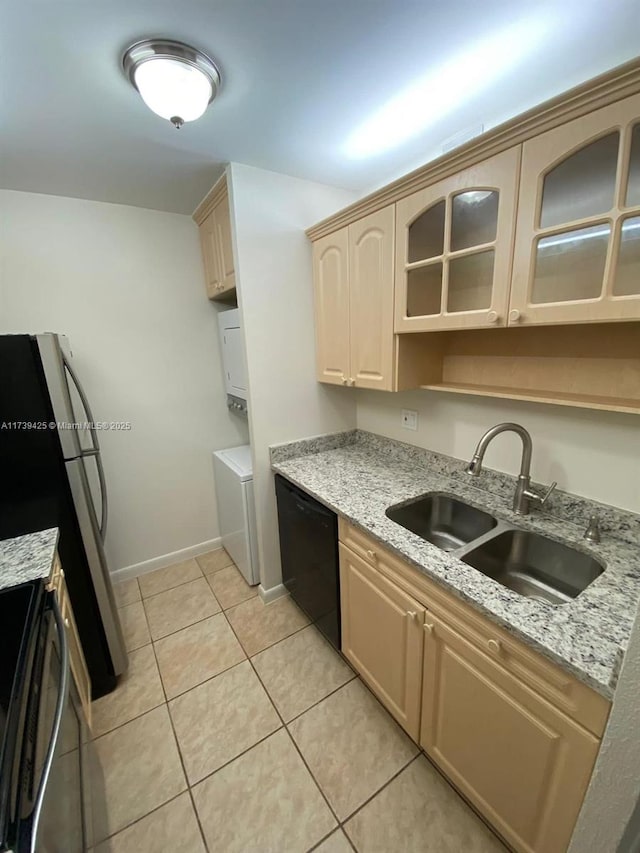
359 475
27 558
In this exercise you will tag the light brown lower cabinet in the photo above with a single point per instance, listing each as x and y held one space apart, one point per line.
382 637
77 662
513 732
522 763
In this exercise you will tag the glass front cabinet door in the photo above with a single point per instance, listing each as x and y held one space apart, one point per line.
453 249
577 252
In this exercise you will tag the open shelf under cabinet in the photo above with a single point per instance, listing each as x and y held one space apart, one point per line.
593 366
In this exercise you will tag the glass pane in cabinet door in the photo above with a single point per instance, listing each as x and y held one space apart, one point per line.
570 266
426 234
474 219
633 183
470 282
627 280
582 185
424 291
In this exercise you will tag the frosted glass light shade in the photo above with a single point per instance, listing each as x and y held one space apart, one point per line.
173 89
175 80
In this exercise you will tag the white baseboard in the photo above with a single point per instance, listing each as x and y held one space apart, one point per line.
165 560
269 595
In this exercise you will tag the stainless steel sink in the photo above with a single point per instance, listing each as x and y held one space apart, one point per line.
534 566
442 520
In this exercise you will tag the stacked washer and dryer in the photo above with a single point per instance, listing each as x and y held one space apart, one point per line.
232 468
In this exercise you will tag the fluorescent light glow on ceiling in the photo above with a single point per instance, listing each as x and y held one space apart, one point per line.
444 89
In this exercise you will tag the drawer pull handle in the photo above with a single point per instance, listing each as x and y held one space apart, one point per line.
494 646
428 627
371 554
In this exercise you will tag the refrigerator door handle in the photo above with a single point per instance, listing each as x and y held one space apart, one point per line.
104 507
95 451
83 399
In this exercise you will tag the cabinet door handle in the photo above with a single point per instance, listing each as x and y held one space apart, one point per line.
514 315
371 555
352 382
494 646
428 627
412 614
345 381
493 317
67 624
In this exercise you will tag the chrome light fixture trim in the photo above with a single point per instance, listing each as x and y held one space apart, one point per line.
148 50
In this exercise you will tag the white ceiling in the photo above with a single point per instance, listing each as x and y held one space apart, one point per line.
299 78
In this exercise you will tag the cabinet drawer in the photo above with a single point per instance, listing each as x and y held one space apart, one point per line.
360 543
552 682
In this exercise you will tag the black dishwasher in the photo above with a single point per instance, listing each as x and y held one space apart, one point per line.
309 551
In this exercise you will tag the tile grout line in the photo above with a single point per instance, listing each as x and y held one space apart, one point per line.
131 720
198 621
235 757
379 791
271 645
169 699
202 574
315 704
341 824
284 725
177 631
137 820
177 743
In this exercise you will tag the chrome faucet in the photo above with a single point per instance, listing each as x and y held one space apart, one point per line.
523 495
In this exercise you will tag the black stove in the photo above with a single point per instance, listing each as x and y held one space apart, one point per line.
21 613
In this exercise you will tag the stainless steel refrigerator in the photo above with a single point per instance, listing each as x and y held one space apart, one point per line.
51 474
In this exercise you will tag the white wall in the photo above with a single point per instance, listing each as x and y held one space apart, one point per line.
273 258
126 285
589 453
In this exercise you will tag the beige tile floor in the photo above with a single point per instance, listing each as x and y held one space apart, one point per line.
239 728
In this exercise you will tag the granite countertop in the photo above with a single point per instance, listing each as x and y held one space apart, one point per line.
359 475
27 558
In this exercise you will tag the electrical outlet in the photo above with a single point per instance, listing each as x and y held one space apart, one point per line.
409 419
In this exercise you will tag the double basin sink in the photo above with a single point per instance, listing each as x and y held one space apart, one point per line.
525 562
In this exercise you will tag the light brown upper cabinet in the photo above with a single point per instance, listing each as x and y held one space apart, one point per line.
353 281
453 249
331 290
217 248
577 255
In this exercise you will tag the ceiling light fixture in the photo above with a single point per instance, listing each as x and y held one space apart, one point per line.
174 80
